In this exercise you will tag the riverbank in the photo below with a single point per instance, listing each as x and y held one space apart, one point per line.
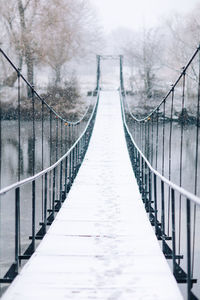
141 108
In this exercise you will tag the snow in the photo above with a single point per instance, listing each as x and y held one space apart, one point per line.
101 245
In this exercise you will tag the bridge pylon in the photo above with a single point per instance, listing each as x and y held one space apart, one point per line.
109 57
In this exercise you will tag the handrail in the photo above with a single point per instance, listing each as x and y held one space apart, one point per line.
52 185
179 189
165 203
43 172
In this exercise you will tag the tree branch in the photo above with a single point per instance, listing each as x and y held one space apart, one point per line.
27 4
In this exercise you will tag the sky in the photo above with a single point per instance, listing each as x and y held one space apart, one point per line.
135 14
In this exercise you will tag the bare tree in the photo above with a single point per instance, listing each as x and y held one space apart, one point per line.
142 51
183 38
20 19
68 30
50 32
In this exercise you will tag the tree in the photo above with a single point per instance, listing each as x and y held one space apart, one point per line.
20 19
142 52
148 58
50 32
68 30
184 37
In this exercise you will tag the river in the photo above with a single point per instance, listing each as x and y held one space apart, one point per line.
9 173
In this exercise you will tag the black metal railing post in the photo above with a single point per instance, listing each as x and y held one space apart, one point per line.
66 175
150 193
45 203
188 237
155 204
54 193
33 170
19 124
173 232
17 228
163 214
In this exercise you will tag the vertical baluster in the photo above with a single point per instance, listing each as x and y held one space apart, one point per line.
19 124
143 137
42 159
152 139
163 213
173 232
66 136
33 169
150 191
170 152
61 137
50 137
54 193
138 167
73 161
45 202
56 138
61 163
157 119
66 174
33 131
163 141
141 175
181 158
188 237
196 160
50 161
145 186
19 156
70 170
197 132
155 205
17 228
148 139
0 142
60 187
56 175
78 155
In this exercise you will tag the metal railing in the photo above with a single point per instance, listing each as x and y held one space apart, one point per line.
172 210
29 205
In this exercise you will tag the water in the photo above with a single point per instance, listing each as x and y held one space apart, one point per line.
161 162
10 174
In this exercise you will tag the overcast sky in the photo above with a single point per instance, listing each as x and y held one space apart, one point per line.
138 13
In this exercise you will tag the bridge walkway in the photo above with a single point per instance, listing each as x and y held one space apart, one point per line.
101 245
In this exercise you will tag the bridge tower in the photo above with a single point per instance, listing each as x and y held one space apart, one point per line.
98 72
112 57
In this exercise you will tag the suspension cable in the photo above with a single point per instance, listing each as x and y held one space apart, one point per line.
38 96
184 69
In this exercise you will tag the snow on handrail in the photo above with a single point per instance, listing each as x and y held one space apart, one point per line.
172 185
43 172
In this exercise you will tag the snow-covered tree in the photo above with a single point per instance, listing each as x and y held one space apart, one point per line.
68 30
142 53
48 31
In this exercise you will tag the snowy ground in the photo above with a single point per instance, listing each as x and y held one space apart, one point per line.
101 245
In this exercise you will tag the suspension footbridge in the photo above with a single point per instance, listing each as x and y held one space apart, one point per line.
100 224
101 244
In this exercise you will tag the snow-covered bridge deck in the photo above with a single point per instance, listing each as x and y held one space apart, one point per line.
101 245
